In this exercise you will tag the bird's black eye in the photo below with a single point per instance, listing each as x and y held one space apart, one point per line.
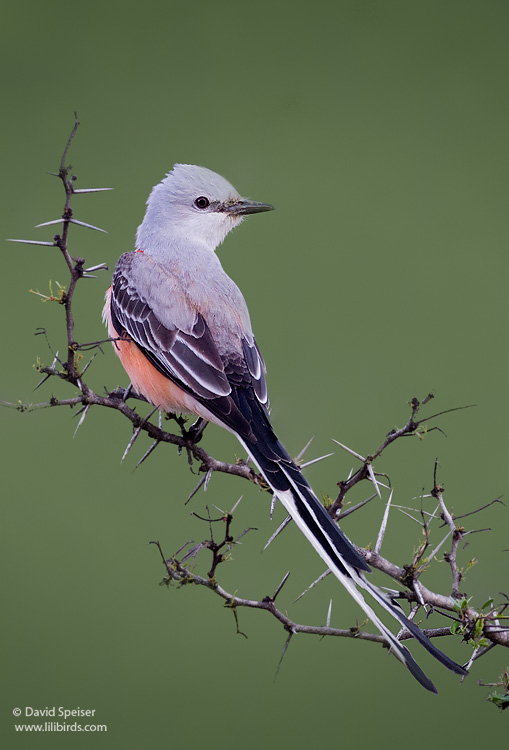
202 202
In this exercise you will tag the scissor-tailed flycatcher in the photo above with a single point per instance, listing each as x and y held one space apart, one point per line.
182 331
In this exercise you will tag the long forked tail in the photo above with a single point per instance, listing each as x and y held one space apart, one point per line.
296 495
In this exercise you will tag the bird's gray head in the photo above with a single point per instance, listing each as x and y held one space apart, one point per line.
193 205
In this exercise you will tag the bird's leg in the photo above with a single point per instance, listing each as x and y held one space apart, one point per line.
195 432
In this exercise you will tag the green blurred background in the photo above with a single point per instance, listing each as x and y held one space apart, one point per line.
379 131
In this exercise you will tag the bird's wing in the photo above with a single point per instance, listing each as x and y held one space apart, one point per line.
175 337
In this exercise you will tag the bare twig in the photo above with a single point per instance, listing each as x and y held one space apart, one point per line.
483 630
456 532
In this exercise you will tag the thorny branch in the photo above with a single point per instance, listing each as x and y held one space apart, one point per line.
483 627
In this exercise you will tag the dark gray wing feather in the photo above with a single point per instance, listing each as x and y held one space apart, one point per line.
191 357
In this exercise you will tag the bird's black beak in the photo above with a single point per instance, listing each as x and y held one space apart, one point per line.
243 207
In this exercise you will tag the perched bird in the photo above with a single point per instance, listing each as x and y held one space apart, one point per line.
182 331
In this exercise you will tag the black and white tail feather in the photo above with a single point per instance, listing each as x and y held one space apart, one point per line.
296 495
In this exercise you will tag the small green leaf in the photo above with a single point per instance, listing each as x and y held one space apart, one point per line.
461 604
500 701
327 501
478 628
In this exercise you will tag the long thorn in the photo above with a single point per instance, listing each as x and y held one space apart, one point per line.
131 442
417 589
278 531
82 419
287 643
88 363
236 505
136 433
431 516
50 223
91 190
285 578
409 516
349 450
373 479
147 453
348 511
305 448
320 578
87 226
33 242
434 552
193 493
315 460
99 267
45 378
383 526
329 613
208 477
